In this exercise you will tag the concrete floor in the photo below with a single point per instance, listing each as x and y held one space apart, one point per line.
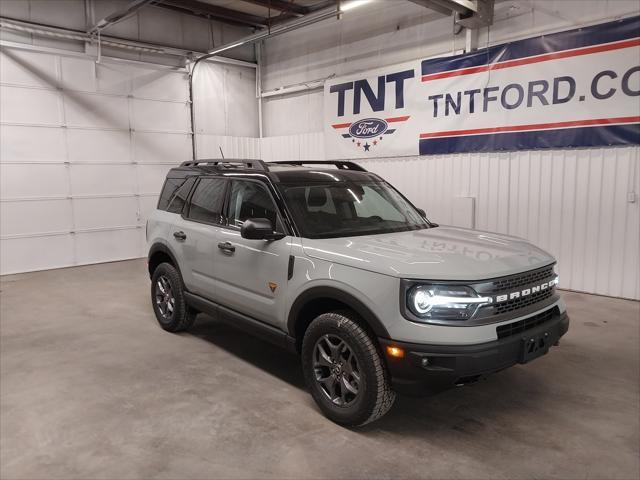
91 387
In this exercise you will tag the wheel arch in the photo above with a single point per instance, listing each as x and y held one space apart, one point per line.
322 299
160 253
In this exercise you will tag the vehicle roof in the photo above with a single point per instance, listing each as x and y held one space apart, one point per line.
278 172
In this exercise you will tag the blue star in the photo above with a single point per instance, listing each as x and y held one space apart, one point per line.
366 147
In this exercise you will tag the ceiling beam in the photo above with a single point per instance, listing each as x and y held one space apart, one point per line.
283 6
118 15
220 13
447 7
433 6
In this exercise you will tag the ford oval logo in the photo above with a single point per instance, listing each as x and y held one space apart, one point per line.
368 127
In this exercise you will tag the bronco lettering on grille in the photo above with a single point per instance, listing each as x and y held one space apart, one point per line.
526 292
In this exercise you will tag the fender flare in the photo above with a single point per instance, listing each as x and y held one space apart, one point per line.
341 296
161 247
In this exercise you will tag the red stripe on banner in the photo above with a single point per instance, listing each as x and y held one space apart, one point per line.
398 119
540 58
341 125
535 126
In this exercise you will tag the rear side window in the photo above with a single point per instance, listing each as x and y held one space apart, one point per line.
207 200
176 204
171 186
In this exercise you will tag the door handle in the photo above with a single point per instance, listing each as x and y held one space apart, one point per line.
180 235
226 247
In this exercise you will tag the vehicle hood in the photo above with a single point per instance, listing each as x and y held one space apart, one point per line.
439 253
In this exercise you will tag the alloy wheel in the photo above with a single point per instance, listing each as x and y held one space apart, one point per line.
336 370
165 300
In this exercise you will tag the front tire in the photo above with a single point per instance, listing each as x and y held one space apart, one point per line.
167 296
344 370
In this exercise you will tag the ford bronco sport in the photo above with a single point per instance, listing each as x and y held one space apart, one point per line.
330 261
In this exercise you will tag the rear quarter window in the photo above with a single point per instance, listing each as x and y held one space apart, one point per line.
179 199
171 186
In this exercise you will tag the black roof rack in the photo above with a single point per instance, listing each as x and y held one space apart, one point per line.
343 165
223 164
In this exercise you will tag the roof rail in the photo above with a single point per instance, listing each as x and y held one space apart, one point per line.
342 165
231 163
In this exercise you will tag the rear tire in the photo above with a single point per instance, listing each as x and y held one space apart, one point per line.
345 371
167 297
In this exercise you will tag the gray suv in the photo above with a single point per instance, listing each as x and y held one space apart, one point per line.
330 261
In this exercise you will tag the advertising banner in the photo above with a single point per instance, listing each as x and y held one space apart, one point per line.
579 88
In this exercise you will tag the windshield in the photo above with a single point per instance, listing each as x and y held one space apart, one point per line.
344 209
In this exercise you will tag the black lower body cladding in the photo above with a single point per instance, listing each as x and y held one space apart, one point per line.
427 369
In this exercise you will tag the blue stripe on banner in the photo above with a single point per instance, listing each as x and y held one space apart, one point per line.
580 37
567 137
391 130
346 135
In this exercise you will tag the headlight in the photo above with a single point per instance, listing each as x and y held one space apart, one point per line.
442 302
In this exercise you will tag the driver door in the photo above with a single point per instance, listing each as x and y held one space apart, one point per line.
251 275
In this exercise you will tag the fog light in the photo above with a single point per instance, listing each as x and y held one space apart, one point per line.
425 362
396 352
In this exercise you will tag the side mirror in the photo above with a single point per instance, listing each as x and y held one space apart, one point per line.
259 229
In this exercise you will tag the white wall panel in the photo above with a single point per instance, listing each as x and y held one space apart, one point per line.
36 253
78 73
160 84
17 142
33 180
98 111
307 117
113 212
163 116
98 146
107 245
53 216
112 77
309 146
208 146
102 180
27 68
30 105
152 147
225 97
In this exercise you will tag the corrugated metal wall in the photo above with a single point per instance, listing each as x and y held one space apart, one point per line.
573 203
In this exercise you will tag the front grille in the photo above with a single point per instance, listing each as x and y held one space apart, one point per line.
515 281
515 328
521 302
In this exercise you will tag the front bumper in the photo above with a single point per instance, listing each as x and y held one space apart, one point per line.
426 369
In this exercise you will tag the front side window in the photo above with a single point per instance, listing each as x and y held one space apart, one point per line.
251 200
343 209
207 199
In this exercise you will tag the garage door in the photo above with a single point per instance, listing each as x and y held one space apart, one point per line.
85 147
